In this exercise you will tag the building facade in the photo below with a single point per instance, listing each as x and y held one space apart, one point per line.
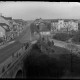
65 25
60 24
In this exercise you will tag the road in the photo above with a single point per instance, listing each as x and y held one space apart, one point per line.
8 50
74 48
59 43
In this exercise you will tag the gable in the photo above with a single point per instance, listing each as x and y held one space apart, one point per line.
5 26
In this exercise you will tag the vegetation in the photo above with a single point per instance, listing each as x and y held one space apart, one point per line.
62 36
76 37
1 40
48 26
40 65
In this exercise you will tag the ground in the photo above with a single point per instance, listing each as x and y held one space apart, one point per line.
40 65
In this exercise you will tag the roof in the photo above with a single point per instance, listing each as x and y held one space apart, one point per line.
54 20
7 18
19 20
4 24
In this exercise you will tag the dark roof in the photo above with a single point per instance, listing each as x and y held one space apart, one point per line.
7 18
66 20
18 20
54 20
4 24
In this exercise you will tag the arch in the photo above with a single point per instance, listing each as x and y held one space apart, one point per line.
19 74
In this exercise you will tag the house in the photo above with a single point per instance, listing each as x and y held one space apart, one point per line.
5 26
19 24
4 30
45 33
2 20
73 25
60 24
54 25
19 21
9 21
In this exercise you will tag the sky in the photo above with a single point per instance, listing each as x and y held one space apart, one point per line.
45 10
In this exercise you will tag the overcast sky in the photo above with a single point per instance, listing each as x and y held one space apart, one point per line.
47 10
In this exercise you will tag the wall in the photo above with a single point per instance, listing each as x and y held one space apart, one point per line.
2 32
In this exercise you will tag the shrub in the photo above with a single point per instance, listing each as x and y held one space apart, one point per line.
76 37
62 36
1 40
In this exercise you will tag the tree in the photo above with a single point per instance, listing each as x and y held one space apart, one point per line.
76 37
1 40
61 36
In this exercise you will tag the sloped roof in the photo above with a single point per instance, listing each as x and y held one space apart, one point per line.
4 24
7 18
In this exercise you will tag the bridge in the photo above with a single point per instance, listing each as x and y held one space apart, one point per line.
13 54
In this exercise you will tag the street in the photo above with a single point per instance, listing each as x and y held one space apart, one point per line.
7 50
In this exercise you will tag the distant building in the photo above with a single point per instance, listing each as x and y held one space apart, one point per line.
4 30
73 26
54 26
60 24
64 25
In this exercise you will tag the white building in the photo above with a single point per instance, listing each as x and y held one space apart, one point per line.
60 24
64 25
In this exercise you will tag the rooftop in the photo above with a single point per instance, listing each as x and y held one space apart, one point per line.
7 18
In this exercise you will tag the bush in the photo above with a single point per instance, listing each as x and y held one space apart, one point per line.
1 40
76 37
62 36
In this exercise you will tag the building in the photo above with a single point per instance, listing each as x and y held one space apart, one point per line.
5 26
2 20
54 25
60 24
4 30
9 21
19 24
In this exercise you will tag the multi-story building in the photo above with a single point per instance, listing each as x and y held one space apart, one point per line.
60 24
64 25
